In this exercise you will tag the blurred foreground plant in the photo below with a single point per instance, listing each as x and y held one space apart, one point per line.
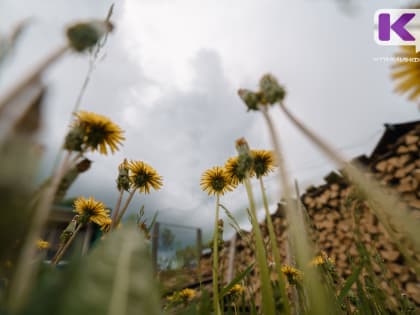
12 104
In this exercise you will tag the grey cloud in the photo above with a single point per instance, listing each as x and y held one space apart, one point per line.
332 84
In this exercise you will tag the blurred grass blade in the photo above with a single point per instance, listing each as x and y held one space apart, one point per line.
297 233
7 44
233 223
31 77
349 282
205 303
22 113
237 279
364 306
115 279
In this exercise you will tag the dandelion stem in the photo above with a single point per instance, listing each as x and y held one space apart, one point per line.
268 306
122 212
326 148
86 81
117 208
319 303
275 249
216 304
24 271
66 246
75 158
385 206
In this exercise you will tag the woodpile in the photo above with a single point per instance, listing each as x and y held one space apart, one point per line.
333 220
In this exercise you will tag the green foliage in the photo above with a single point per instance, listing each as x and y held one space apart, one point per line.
115 278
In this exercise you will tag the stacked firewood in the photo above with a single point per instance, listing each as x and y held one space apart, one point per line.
399 168
334 224
334 230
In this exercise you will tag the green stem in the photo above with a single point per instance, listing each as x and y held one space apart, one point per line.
83 88
117 208
66 246
275 250
268 307
216 303
121 214
319 302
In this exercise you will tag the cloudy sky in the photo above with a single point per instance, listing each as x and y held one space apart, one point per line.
170 74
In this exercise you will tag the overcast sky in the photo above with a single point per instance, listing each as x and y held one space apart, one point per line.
170 77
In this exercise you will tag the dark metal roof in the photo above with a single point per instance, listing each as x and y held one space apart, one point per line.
390 136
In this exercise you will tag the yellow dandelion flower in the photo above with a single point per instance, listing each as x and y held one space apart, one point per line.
98 132
91 210
187 294
215 181
406 72
237 289
106 225
321 259
264 162
236 172
318 260
41 244
123 165
144 177
291 273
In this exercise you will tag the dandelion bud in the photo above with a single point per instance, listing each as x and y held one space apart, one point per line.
221 224
245 158
250 99
272 92
69 178
69 230
123 180
85 35
242 146
74 140
83 165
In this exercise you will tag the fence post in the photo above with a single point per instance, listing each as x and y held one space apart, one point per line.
199 250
